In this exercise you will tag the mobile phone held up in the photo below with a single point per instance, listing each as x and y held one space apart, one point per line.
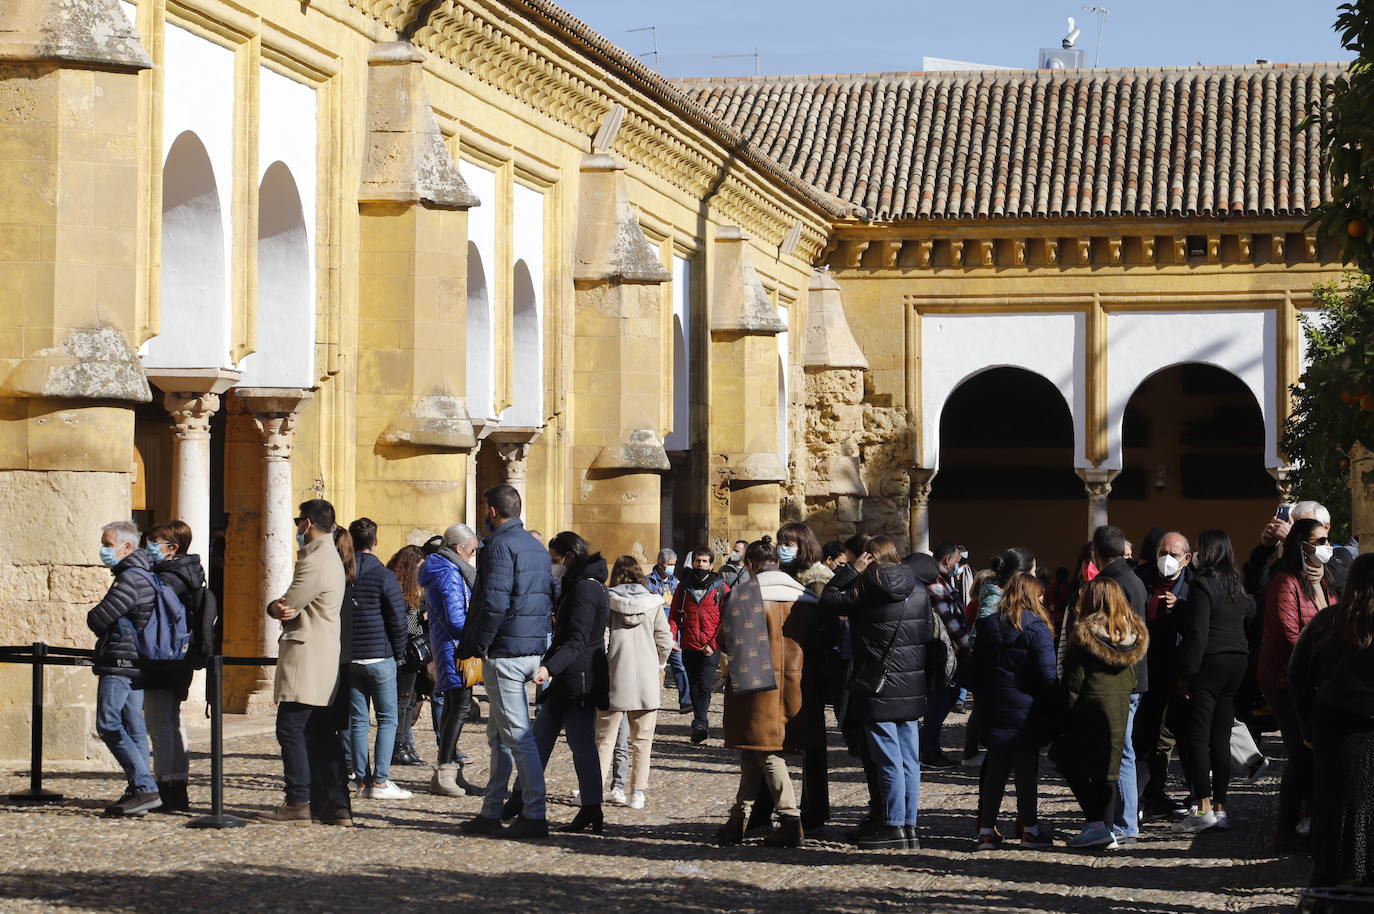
1284 513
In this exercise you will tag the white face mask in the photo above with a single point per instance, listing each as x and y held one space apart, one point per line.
1323 553
668 570
1169 566
787 554
559 570
737 556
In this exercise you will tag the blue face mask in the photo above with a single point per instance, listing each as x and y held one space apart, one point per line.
155 551
108 557
787 554
300 540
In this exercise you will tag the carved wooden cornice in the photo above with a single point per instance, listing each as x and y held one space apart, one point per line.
486 41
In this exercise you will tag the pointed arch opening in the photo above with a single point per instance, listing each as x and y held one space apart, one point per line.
284 355
479 344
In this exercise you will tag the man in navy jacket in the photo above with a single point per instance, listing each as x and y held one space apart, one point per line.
508 626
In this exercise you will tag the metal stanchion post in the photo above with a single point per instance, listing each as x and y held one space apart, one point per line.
217 817
36 793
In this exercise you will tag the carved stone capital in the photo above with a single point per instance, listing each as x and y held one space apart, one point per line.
274 411
191 413
922 479
1097 482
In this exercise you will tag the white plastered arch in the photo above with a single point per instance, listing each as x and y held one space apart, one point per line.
956 347
527 367
1142 344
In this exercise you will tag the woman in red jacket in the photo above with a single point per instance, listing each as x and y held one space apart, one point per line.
1295 595
695 620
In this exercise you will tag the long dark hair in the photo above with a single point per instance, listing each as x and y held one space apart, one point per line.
405 564
343 541
1215 558
569 543
808 547
1016 560
1294 559
761 554
1352 620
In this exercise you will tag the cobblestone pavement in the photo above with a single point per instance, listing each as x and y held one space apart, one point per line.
407 853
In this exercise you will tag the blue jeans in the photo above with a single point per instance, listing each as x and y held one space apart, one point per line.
579 725
375 681
1127 820
938 703
684 690
895 748
119 721
511 737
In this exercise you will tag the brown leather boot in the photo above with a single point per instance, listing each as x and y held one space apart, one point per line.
286 814
788 833
732 832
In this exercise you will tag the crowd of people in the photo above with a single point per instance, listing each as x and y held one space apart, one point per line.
1104 672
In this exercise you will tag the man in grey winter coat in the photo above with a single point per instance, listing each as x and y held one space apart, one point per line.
127 607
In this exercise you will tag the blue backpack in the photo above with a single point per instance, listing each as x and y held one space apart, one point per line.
166 635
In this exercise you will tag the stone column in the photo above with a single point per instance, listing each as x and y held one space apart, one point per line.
513 447
192 398
1097 482
275 410
921 478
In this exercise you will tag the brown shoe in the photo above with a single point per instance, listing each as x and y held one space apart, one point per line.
787 834
343 816
286 814
732 832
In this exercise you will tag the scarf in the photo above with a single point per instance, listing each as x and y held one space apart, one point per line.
744 639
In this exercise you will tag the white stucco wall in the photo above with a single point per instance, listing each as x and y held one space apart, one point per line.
955 347
527 304
1139 345
198 81
481 301
287 131
679 439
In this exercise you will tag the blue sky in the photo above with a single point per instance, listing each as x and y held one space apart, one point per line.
811 36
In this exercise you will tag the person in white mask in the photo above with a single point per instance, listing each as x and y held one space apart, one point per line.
732 570
1168 580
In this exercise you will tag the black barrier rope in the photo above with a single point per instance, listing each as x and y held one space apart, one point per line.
40 655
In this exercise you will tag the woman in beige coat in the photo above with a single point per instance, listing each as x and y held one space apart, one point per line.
638 642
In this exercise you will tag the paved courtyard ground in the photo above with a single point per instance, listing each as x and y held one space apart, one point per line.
407 855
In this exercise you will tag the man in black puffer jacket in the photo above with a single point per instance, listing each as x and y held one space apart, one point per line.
379 647
508 626
127 606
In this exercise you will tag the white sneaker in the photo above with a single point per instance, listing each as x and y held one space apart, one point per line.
972 761
386 791
618 796
636 800
1223 820
1196 822
1257 770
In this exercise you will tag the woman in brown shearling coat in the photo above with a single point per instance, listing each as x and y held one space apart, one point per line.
766 709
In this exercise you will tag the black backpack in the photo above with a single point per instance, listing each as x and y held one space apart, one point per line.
202 615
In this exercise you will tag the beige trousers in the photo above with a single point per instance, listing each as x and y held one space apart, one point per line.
771 769
642 725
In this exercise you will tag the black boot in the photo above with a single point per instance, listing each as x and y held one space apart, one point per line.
588 817
164 790
515 804
181 801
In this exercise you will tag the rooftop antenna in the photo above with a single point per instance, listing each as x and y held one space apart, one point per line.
754 55
1102 13
653 38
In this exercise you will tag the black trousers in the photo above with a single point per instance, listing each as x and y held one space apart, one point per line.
312 756
456 703
701 682
1205 721
1153 737
1095 794
405 704
1021 763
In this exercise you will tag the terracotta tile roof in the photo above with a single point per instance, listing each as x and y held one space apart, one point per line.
1041 143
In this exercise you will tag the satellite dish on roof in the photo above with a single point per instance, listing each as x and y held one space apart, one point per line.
1070 38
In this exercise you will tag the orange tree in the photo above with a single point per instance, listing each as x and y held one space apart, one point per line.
1333 404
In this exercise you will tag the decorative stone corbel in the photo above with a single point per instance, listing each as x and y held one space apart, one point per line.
406 160
829 341
752 469
611 246
93 33
741 304
435 421
641 452
92 363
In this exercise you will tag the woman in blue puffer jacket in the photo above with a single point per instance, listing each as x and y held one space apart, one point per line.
447 577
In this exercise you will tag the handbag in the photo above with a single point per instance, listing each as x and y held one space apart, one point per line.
418 651
869 677
470 668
